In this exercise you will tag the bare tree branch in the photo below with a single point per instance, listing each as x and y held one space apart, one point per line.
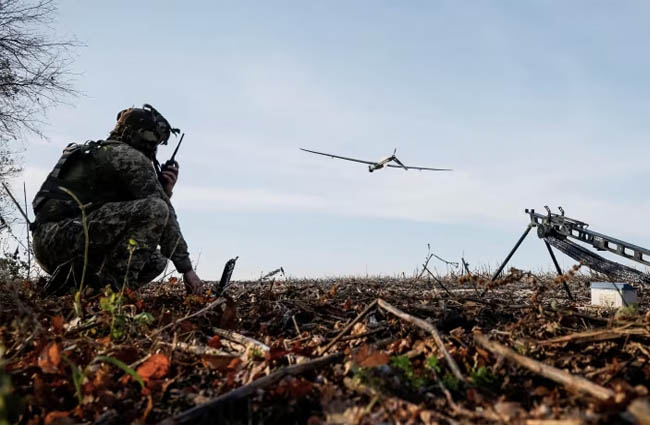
35 75
34 66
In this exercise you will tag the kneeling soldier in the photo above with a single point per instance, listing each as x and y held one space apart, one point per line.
132 225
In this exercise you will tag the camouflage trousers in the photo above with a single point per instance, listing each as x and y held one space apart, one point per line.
123 243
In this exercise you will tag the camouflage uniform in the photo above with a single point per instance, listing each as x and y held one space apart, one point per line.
128 216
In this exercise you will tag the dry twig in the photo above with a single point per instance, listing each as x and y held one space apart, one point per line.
597 335
194 414
570 381
240 339
200 350
205 309
360 388
349 326
429 328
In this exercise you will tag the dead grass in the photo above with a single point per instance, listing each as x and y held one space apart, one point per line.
391 372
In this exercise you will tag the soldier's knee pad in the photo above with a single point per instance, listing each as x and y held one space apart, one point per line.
156 210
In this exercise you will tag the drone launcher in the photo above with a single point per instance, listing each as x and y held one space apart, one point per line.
560 232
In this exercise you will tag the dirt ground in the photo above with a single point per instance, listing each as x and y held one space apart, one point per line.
328 351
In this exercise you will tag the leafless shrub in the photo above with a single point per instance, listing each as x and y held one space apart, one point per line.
34 76
34 65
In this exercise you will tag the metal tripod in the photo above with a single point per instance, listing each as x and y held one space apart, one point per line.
550 251
556 229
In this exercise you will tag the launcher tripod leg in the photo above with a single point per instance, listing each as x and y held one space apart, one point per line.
559 270
512 252
550 251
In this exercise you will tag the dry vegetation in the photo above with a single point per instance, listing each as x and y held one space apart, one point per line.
289 352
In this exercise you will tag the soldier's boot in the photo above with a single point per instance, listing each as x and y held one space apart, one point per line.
61 280
155 266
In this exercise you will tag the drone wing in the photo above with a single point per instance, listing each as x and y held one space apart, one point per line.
339 157
410 167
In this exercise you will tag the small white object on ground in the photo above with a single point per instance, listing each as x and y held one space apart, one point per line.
606 294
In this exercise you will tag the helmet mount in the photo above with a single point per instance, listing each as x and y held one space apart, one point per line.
144 120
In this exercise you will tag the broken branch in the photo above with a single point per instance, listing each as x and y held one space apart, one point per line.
565 378
205 309
429 328
194 414
349 326
201 350
597 335
241 339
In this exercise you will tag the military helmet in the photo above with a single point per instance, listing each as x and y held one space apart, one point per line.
147 121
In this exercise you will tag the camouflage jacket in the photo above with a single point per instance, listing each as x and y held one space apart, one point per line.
103 172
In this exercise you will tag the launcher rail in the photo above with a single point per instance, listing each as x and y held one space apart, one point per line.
561 232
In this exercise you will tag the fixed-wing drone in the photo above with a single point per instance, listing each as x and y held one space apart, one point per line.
384 162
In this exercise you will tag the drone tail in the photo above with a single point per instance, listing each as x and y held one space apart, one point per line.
400 163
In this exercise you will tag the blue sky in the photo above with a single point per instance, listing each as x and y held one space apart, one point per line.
531 103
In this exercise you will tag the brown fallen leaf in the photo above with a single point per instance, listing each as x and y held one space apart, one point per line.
275 353
347 305
367 356
482 353
294 388
541 391
101 379
230 379
509 410
234 363
186 327
56 417
57 324
155 367
219 363
214 342
49 359
314 420
130 294
104 341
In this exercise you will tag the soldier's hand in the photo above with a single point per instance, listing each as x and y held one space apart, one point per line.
169 176
193 284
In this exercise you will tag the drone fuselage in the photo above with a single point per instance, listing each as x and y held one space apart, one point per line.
381 163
